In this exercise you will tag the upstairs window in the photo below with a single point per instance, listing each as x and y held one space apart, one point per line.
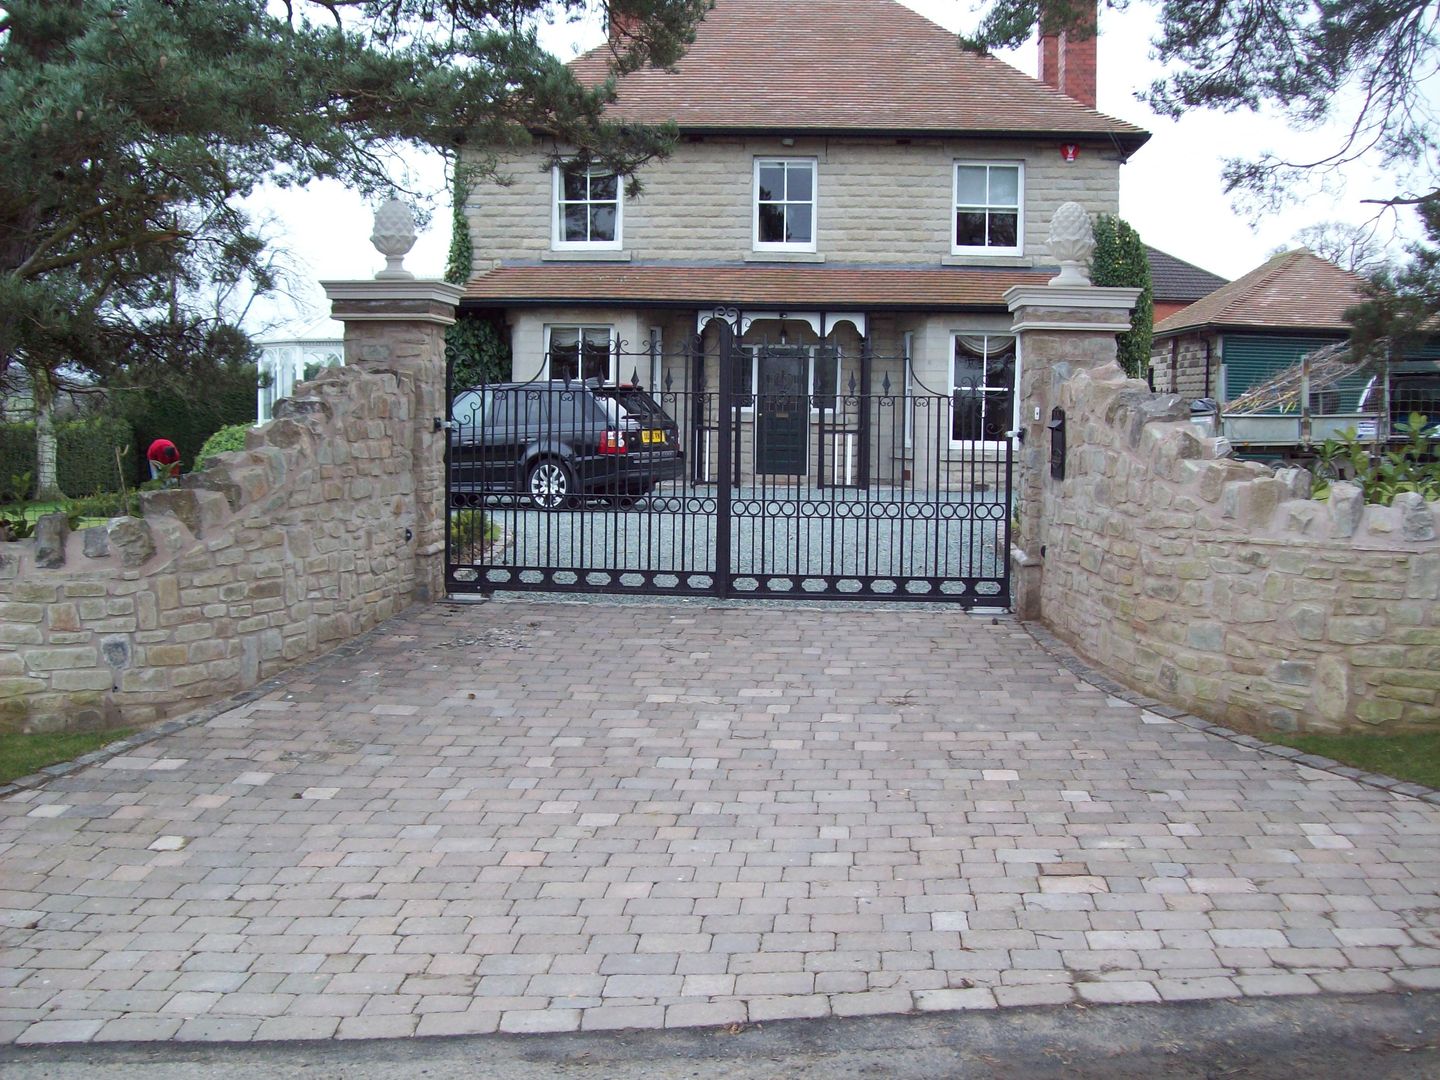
988 200
587 208
784 204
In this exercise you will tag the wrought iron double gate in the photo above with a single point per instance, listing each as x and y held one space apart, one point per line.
766 470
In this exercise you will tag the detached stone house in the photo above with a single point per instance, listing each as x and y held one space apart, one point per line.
852 192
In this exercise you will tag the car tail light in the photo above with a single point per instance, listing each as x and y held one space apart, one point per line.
612 442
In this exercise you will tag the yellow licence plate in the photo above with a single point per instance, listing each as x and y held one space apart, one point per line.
652 436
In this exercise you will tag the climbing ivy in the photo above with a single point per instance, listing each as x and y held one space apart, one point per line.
1120 259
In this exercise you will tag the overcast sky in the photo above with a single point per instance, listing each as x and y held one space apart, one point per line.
1170 190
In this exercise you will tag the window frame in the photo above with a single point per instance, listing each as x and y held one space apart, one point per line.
985 388
814 203
557 215
581 330
1018 248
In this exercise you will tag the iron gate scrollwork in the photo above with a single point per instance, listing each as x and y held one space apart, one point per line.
756 469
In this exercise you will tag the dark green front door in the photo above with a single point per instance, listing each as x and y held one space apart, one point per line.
782 411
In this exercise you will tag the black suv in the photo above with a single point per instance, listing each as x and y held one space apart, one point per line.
556 443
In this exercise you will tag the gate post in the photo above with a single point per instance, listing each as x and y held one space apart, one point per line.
1062 327
396 324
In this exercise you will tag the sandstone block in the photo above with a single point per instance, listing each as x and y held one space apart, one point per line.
62 659
1417 519
197 509
51 532
132 540
1347 507
96 542
1357 629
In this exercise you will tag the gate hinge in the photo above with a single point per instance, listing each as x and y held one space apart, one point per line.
445 425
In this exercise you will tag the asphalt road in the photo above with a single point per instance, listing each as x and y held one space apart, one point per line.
1375 1037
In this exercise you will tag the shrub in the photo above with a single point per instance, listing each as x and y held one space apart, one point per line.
471 532
1410 466
228 438
85 453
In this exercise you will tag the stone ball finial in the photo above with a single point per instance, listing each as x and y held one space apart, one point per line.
1072 240
393 237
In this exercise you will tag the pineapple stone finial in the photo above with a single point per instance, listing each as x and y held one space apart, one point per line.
1072 240
393 237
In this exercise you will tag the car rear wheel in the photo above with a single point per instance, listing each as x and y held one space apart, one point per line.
550 484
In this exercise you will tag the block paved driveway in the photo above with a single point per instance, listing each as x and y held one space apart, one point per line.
538 816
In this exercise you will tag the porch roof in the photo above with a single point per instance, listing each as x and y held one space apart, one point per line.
774 287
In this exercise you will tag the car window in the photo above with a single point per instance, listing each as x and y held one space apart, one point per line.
469 407
636 402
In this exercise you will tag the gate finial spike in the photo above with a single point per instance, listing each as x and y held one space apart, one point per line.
852 383
885 383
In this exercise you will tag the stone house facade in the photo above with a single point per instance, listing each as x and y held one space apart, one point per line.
852 192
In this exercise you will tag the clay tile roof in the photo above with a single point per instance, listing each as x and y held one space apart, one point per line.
795 288
844 65
1293 291
1177 280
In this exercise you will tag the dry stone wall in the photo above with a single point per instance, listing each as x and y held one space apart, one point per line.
268 557
1221 586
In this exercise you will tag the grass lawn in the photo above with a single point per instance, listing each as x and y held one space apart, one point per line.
32 511
1406 757
21 755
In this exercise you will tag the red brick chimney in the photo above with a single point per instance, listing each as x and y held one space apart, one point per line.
1067 58
620 25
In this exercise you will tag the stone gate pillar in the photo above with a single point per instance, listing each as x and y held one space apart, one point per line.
1065 326
396 323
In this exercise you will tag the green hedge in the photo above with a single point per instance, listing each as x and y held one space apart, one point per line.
226 397
85 454
17 457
